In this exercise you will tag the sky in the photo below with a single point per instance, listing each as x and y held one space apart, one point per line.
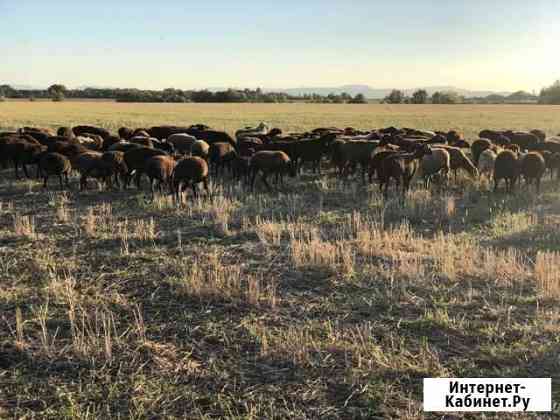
501 45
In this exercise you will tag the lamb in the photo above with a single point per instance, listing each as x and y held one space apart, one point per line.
533 167
160 169
506 167
135 160
190 170
486 162
270 162
401 167
220 155
54 164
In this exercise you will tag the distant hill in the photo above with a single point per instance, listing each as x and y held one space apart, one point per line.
380 93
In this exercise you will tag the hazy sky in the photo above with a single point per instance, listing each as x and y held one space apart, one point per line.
472 44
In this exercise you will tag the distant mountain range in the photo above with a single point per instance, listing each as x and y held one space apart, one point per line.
380 93
367 91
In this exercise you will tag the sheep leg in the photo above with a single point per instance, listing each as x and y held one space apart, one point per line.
25 170
45 179
137 179
205 183
16 164
61 181
83 183
194 189
264 175
253 177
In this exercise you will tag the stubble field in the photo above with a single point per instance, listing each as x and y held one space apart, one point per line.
320 300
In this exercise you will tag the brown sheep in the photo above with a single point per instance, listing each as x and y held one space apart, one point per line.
190 170
459 160
136 159
20 152
506 167
356 152
160 169
401 167
109 141
116 159
375 162
92 164
54 164
270 162
554 165
221 155
533 167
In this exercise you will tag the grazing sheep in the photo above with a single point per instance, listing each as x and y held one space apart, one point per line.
189 170
116 159
220 155
240 167
81 129
21 152
478 147
506 167
160 169
438 162
523 140
357 152
313 151
270 162
92 164
401 167
136 159
486 162
163 145
533 167
54 164
200 148
182 142
375 162
67 149
337 158
459 160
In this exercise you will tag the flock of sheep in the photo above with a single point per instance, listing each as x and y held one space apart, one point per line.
176 157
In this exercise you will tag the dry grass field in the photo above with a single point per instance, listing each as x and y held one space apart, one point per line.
320 300
290 117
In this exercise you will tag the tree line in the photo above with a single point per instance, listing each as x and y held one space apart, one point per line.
421 97
58 92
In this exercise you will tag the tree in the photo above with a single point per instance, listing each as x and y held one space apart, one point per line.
395 97
419 97
358 99
551 94
57 92
436 98
6 91
446 98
